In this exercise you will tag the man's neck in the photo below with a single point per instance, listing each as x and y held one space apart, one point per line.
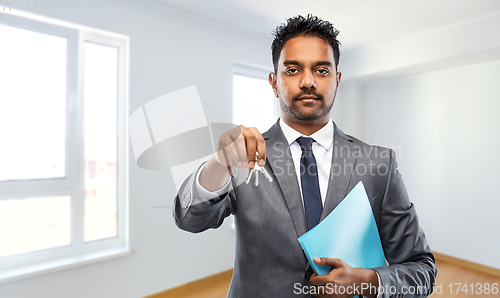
309 127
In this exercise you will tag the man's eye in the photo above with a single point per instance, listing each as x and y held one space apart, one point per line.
323 71
292 71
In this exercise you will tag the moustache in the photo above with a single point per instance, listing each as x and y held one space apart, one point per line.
308 92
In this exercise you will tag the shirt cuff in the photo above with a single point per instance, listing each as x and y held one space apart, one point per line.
378 294
209 197
378 276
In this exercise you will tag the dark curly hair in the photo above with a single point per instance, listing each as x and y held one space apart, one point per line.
300 26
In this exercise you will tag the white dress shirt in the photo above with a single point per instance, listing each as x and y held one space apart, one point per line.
321 148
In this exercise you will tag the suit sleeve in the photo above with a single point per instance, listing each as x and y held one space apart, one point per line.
194 214
411 271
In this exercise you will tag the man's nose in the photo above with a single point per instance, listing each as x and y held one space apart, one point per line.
308 80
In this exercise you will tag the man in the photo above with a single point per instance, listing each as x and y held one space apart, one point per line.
313 165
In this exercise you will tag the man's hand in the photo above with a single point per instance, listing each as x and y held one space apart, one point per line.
237 147
343 281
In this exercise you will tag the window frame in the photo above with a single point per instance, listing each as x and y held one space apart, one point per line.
37 186
253 71
79 252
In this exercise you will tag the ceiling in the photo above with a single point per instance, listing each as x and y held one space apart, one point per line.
362 23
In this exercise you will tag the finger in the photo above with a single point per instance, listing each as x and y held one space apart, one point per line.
330 262
261 146
251 144
241 150
234 140
234 153
235 132
224 154
319 280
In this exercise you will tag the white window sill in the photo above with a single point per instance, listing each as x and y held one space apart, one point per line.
62 264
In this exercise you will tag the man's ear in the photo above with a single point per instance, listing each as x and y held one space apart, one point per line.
272 81
339 75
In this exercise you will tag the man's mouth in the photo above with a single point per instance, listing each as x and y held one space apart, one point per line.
308 98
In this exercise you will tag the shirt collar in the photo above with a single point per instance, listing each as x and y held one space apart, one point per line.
323 137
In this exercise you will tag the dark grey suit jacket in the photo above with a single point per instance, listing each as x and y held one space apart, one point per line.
269 219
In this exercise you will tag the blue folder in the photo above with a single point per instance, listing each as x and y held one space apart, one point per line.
349 233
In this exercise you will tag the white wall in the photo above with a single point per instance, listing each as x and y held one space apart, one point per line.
471 42
435 99
447 126
168 51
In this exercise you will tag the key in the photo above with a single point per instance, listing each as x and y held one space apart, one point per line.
256 178
266 174
249 175
258 169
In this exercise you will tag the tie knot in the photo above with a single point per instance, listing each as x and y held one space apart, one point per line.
305 143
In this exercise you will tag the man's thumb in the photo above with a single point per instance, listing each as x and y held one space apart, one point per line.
330 262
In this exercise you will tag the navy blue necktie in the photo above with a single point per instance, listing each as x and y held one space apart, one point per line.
310 183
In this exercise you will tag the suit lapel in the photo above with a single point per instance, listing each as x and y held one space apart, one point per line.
343 164
280 160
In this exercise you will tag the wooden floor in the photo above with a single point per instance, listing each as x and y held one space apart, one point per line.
448 273
451 274
218 290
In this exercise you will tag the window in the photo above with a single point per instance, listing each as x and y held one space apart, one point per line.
254 104
63 146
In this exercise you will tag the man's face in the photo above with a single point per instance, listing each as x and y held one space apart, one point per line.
306 80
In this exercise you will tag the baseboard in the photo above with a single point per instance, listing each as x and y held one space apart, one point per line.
200 284
467 264
195 286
